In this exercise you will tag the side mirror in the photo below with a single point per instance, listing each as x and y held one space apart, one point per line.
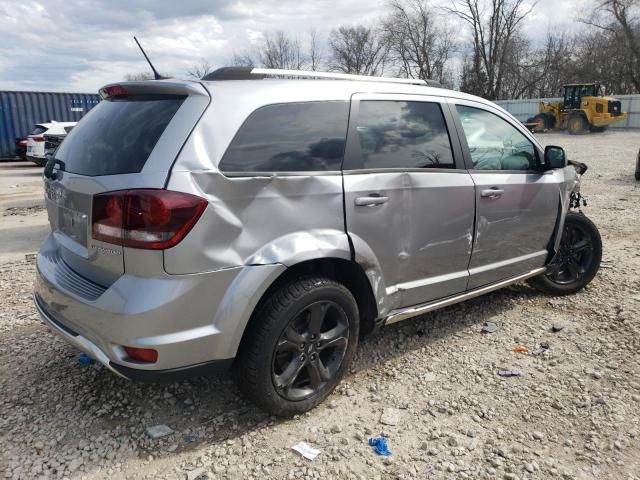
554 157
49 166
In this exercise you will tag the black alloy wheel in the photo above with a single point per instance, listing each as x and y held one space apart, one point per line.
310 350
298 345
577 260
574 257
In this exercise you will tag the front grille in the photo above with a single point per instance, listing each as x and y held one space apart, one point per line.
614 108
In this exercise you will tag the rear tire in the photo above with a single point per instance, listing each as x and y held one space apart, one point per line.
595 129
577 261
638 166
577 124
300 344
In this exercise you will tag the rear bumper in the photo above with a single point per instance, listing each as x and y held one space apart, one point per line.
187 319
87 346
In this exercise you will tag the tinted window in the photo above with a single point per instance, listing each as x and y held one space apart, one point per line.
394 134
38 129
117 136
290 137
68 129
494 143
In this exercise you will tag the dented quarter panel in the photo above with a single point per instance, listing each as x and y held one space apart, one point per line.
259 221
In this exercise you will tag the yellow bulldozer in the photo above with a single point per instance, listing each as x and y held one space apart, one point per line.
584 109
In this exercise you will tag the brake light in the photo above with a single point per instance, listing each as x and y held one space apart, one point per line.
145 218
113 91
37 139
147 355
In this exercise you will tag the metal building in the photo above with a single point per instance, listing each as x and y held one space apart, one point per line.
19 111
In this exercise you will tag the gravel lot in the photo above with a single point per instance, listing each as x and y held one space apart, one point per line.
574 414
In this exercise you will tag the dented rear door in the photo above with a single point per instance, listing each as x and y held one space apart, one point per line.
408 199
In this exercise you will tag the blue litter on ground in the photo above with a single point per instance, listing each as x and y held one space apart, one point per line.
84 359
379 444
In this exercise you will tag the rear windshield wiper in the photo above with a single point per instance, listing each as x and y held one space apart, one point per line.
51 164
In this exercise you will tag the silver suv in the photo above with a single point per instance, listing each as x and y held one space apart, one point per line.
264 221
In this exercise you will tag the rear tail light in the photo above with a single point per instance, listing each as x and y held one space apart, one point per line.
145 218
147 355
37 139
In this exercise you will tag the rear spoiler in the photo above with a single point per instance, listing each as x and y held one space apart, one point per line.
152 87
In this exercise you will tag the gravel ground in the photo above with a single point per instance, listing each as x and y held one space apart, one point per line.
573 414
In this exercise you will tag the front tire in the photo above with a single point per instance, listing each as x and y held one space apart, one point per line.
577 124
577 260
300 344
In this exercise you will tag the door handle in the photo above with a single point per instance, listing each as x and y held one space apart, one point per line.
371 200
491 193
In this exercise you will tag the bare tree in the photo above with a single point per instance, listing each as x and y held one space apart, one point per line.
315 50
358 50
199 70
492 34
538 72
622 22
279 50
135 77
243 60
419 41
600 55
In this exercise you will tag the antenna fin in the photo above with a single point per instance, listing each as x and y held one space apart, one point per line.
156 75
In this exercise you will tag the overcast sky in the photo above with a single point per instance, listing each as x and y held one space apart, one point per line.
80 45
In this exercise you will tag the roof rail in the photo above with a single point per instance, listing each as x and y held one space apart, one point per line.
274 72
252 73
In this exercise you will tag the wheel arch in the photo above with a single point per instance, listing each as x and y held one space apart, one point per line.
346 272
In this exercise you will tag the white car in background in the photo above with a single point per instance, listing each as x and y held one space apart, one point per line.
36 148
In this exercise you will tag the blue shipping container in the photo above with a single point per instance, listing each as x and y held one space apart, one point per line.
19 111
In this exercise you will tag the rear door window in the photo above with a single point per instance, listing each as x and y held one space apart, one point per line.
118 135
401 134
289 137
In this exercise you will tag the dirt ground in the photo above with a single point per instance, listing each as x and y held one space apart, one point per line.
573 414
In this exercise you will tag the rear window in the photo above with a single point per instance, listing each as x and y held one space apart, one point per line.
117 136
290 137
38 130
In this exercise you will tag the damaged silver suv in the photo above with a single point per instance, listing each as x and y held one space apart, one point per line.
264 220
